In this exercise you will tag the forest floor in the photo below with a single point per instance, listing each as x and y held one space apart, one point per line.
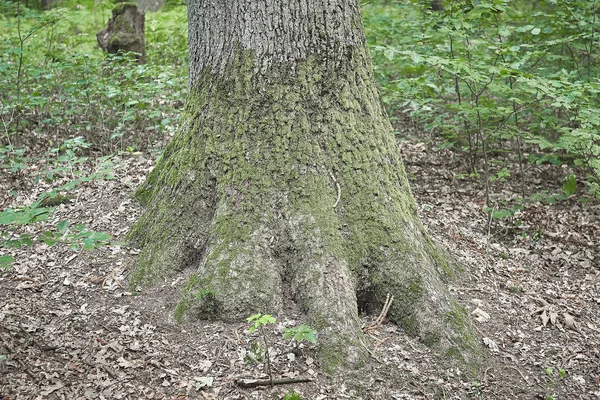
73 330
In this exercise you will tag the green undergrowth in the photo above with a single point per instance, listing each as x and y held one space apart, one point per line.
66 169
63 100
506 80
56 83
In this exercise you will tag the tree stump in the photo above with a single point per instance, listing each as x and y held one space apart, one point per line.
125 31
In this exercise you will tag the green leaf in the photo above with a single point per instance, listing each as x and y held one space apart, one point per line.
99 236
63 226
570 185
300 333
49 241
389 53
253 317
8 217
415 57
536 31
562 373
502 213
6 261
311 337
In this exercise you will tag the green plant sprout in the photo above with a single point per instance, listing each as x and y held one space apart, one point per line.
570 185
12 159
297 333
553 381
291 395
300 333
76 236
259 321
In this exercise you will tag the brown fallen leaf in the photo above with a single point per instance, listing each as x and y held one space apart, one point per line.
553 317
545 318
51 389
480 315
571 323
491 344
539 310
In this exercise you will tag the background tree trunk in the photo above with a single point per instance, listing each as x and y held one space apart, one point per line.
285 183
47 4
124 31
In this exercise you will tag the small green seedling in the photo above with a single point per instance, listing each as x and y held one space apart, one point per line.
291 395
300 333
553 382
259 321
297 333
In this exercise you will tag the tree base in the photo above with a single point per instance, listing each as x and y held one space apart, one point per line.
290 185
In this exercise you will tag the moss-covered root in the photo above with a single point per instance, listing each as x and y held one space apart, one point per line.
179 197
238 275
323 284
173 231
327 292
422 305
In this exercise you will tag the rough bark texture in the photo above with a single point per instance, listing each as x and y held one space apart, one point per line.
285 183
124 31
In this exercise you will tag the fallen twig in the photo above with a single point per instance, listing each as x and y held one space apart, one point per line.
386 308
519 371
382 341
484 380
250 383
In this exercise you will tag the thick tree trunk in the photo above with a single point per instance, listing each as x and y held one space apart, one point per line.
285 182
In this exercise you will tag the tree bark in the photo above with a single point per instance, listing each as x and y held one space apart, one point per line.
285 183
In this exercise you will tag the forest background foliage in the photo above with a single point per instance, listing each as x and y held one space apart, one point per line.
511 84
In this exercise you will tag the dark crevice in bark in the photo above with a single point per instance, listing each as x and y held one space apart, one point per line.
367 301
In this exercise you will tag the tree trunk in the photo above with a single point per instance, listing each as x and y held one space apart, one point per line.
124 31
285 183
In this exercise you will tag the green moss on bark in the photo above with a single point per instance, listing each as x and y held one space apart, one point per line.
464 346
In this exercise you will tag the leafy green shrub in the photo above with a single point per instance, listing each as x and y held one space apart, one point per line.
77 236
500 77
65 161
